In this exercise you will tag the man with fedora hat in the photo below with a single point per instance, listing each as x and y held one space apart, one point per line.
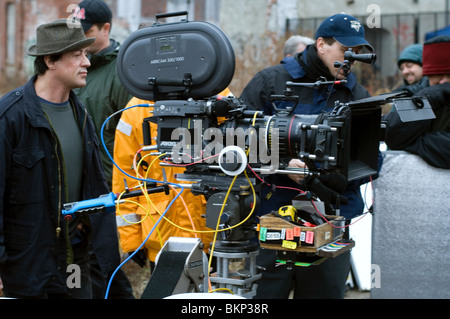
49 156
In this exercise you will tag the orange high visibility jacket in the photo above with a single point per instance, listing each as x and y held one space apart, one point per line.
137 216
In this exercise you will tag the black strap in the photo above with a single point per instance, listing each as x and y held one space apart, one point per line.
166 275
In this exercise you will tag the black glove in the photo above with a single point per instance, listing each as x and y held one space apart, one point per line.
438 95
329 188
335 181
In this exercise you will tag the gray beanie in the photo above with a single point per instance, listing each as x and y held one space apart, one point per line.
412 53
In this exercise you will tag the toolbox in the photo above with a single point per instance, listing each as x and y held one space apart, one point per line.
324 240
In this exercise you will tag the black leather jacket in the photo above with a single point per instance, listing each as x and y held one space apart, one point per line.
33 259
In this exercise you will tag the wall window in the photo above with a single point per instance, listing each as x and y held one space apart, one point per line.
10 33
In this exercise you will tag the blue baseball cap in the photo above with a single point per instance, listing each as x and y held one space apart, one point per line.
345 29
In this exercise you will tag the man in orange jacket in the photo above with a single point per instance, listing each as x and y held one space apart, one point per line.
136 219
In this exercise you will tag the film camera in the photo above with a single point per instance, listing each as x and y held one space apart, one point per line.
182 67
226 148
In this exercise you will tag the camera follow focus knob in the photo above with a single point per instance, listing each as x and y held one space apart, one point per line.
232 160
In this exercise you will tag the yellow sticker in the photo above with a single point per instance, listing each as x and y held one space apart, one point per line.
289 244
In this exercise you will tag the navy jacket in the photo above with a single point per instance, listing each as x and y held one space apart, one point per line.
33 259
272 81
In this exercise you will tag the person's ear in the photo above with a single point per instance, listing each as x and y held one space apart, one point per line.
106 27
320 43
50 63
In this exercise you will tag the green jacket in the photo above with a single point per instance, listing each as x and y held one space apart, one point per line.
102 96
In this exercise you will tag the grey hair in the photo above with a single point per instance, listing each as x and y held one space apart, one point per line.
291 44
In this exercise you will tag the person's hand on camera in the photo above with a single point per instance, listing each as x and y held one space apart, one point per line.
329 188
296 163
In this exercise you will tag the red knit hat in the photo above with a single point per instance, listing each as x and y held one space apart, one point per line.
436 56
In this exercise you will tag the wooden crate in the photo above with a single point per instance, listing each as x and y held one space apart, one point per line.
280 234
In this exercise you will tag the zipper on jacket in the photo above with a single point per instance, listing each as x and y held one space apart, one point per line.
52 132
58 228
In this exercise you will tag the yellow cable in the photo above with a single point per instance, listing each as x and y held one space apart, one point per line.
131 202
223 205
140 221
216 231
221 211
178 226
156 209
218 223
217 289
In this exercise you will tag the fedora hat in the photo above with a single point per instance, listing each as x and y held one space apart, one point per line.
59 36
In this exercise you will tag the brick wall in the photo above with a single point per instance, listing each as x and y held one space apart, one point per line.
19 19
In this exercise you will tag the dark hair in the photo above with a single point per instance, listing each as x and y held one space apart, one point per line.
40 67
328 40
101 24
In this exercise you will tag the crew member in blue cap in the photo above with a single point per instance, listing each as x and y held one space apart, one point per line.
334 36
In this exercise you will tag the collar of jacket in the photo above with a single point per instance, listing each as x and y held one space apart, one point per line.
296 71
33 110
105 56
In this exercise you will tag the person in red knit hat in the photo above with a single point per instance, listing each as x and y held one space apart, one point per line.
436 62
430 139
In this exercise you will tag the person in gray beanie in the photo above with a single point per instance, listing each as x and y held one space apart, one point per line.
410 66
